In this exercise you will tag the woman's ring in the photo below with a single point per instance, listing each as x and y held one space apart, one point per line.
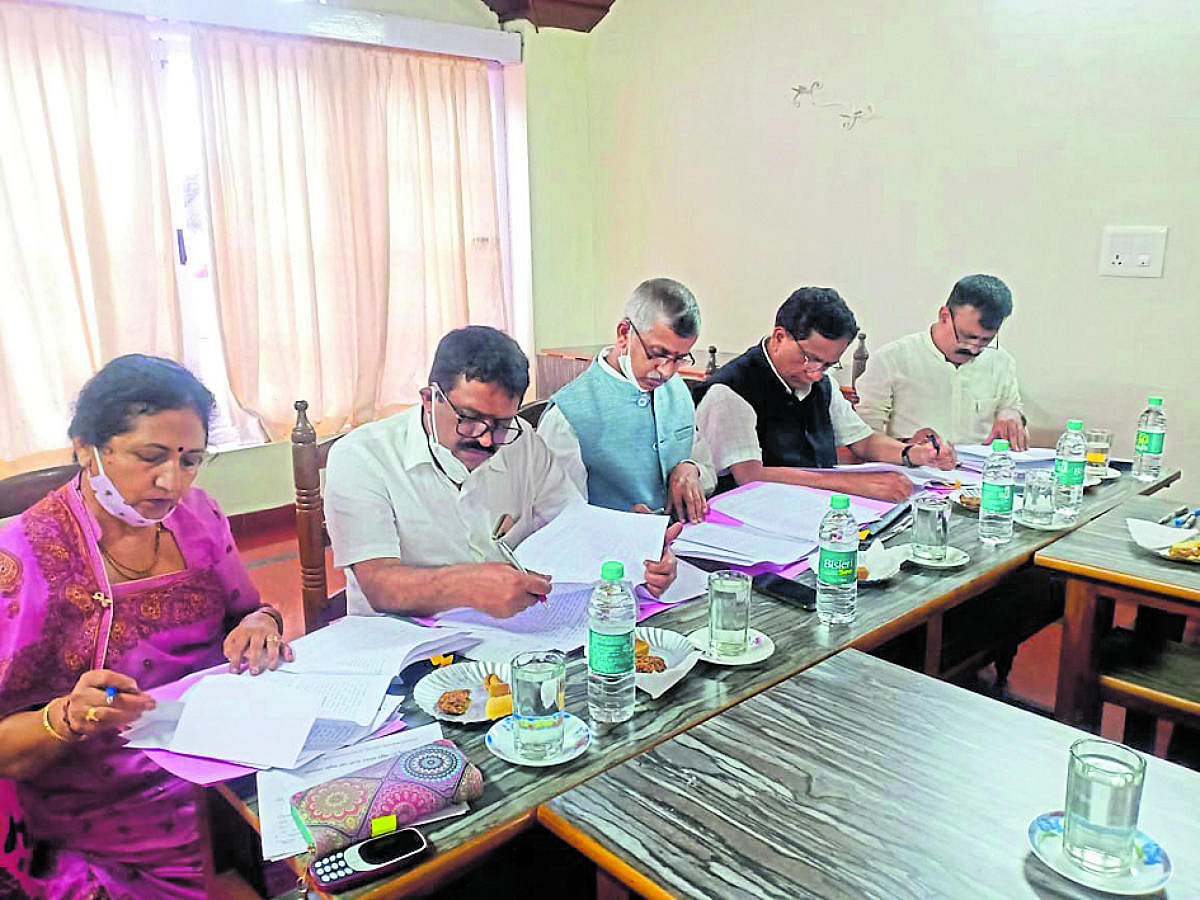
273 639
92 715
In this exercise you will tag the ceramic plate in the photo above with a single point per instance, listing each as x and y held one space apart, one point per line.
955 558
1151 867
956 499
1110 473
576 738
881 563
1059 523
456 677
759 647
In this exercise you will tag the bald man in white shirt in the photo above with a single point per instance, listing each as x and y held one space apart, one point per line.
950 377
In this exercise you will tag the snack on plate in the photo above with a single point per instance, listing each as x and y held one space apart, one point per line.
970 501
496 687
454 703
863 573
499 706
640 647
647 663
1185 550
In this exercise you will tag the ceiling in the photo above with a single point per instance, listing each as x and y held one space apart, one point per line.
577 15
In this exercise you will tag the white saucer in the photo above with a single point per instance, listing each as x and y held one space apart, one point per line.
1151 867
576 738
1059 523
955 559
759 647
1109 474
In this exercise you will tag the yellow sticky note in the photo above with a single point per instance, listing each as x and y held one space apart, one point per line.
383 825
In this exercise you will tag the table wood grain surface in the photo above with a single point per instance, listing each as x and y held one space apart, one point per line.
1103 550
856 778
511 792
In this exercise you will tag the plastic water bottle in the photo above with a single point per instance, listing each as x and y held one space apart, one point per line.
612 616
1070 459
1147 450
837 564
996 503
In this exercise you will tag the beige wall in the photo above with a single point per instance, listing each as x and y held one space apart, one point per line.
1007 134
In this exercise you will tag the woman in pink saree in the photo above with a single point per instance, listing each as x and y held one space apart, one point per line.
124 579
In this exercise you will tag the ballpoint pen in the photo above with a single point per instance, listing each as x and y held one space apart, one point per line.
1174 514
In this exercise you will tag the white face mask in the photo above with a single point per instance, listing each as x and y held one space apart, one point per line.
626 364
113 503
454 467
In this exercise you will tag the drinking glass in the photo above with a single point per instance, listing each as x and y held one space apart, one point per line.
1104 791
1037 507
1099 442
539 685
728 612
931 527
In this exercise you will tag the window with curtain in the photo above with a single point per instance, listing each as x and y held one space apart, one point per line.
290 217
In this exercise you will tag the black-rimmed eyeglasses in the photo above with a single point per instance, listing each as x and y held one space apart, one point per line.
983 343
504 431
658 357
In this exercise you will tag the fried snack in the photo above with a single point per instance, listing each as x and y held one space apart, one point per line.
862 573
499 707
970 501
649 663
640 647
454 703
496 687
1185 550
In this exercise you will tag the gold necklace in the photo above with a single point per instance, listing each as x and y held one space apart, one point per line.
129 573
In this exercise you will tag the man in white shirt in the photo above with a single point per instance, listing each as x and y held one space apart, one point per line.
951 376
412 501
624 430
773 414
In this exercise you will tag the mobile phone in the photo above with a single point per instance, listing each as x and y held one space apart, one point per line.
367 860
786 590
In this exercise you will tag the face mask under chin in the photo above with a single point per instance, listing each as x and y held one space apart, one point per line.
114 503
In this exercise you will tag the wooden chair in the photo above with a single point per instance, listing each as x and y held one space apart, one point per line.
308 459
20 492
532 412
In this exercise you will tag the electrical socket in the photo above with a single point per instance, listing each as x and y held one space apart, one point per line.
1133 251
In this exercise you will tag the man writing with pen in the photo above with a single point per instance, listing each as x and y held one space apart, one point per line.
415 503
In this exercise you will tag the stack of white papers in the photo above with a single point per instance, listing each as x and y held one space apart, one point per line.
572 547
921 475
371 645
786 509
741 545
974 456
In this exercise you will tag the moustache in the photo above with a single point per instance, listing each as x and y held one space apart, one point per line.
477 447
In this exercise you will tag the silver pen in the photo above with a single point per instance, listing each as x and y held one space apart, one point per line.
497 534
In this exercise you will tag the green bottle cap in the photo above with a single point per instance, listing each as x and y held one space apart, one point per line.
1156 401
839 501
1074 425
613 570
999 445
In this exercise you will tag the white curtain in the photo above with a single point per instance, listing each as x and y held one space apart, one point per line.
354 212
86 239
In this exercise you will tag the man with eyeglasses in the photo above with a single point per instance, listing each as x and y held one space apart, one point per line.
773 414
624 431
413 502
951 376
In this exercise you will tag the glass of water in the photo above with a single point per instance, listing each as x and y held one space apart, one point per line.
1104 791
1099 442
931 527
539 686
728 613
1037 506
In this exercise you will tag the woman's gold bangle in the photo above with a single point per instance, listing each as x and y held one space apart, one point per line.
50 728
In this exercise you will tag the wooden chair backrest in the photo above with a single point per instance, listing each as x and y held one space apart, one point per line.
308 459
20 492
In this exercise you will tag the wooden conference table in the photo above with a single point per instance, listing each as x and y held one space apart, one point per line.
1102 561
856 778
512 794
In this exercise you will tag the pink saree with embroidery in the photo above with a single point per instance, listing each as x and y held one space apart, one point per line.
116 825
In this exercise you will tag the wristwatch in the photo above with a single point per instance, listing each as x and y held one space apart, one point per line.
904 456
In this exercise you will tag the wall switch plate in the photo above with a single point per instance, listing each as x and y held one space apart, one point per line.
1133 251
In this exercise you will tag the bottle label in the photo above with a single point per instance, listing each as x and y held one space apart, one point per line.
997 498
1149 441
837 566
1069 471
610 654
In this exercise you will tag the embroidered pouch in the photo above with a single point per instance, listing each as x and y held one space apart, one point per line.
411 786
